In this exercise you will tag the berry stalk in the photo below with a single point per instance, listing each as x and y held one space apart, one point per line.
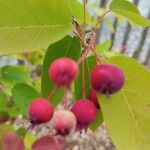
83 81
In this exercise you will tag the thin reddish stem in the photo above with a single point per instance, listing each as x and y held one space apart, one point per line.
53 91
99 58
65 98
83 81
84 55
91 44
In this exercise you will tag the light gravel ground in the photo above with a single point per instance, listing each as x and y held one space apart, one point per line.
100 140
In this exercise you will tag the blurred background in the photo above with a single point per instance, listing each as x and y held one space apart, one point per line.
126 37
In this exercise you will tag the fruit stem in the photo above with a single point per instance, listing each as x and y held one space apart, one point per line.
65 98
99 58
100 18
30 127
53 91
84 12
83 81
85 52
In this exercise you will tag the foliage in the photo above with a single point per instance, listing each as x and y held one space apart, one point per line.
23 94
34 24
67 47
127 113
128 10
38 32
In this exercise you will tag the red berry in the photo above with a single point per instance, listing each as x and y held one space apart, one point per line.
11 141
64 121
63 71
85 112
94 99
49 143
107 79
40 111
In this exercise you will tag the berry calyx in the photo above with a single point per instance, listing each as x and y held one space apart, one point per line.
63 71
40 111
94 99
64 121
85 112
107 79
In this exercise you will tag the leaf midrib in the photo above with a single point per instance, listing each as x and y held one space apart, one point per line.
37 26
67 51
125 11
133 92
13 77
136 122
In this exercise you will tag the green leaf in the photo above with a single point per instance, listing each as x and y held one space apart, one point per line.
99 120
28 25
29 140
23 94
3 102
111 53
5 129
36 57
13 111
21 131
89 64
104 46
127 113
15 74
129 10
124 5
7 86
37 84
67 47
10 75
77 11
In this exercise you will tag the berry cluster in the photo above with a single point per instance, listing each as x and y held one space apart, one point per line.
105 79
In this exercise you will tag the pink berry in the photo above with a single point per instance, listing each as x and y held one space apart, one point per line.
64 121
40 111
94 99
63 71
85 112
107 79
11 141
